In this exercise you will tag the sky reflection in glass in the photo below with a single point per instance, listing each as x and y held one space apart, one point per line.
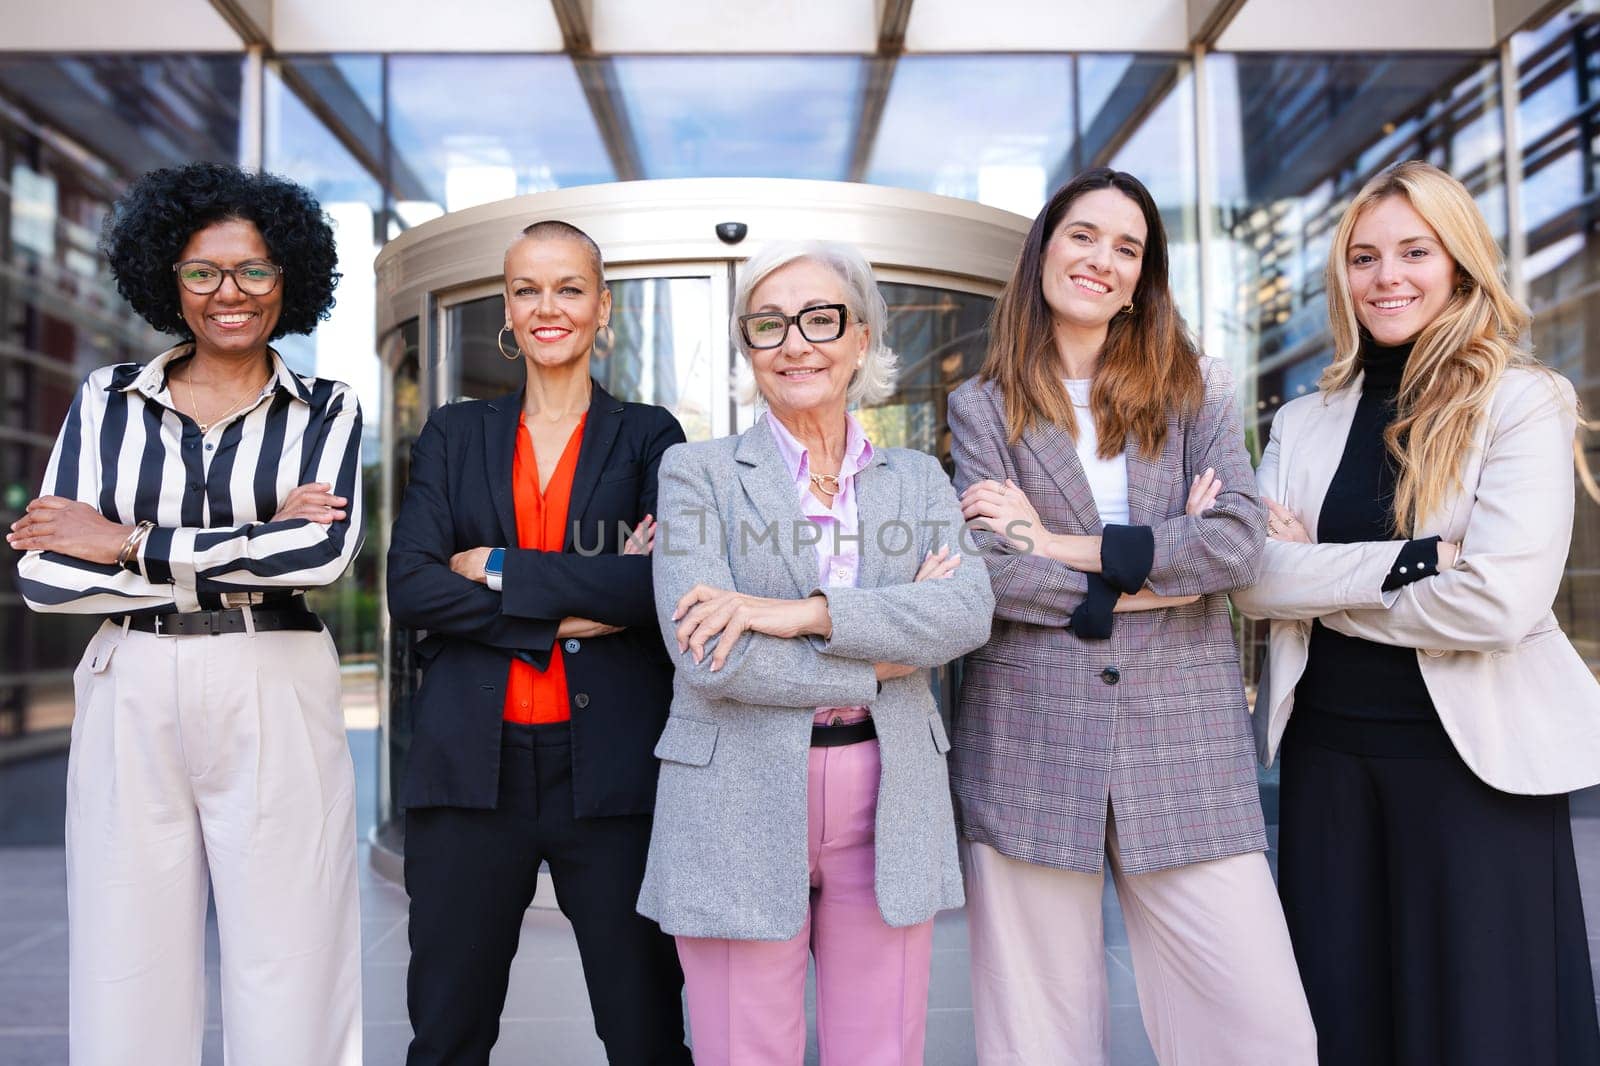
988 128
481 128
742 116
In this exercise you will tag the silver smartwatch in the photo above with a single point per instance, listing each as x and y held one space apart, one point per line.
494 567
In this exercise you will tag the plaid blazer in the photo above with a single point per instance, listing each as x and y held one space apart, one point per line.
1048 739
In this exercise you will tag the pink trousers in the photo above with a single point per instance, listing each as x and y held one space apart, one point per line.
747 997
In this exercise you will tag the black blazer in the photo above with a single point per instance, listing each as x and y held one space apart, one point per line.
460 497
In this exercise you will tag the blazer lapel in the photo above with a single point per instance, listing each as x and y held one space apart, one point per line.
1058 454
772 494
600 430
500 425
1147 476
877 491
1321 446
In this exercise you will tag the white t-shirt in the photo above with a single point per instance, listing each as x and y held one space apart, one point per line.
1108 478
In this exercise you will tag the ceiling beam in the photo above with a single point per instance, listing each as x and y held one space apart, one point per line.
878 77
598 76
576 19
1208 18
893 17
250 19
322 88
1513 15
599 80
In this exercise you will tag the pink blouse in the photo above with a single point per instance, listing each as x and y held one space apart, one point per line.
838 555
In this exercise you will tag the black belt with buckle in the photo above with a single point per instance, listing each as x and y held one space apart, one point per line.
214 623
834 736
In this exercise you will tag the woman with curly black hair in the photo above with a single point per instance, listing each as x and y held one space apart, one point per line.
193 500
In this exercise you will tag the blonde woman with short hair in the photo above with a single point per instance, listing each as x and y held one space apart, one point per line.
1421 510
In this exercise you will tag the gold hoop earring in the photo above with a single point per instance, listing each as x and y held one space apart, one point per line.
1128 310
500 342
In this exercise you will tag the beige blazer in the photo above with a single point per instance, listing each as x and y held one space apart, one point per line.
1516 699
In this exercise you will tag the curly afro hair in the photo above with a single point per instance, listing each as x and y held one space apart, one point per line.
151 222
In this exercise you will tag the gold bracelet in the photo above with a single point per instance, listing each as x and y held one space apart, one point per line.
130 547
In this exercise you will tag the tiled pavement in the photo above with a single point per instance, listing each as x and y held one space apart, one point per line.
546 1020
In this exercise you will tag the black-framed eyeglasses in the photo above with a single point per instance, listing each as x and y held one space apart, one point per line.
254 277
818 324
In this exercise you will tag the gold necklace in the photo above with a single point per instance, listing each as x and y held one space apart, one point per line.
828 483
205 427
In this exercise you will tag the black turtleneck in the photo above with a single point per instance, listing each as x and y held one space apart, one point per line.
1347 676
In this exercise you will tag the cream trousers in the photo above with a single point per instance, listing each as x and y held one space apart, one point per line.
1216 974
220 758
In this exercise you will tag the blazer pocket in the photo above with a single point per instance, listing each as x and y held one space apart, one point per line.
986 654
620 472
687 740
941 742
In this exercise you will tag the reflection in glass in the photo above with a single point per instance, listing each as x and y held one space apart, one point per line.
940 337
1160 151
660 348
404 417
789 117
474 129
1031 123
1000 145
1562 269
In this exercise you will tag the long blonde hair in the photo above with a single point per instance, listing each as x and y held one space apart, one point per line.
1458 358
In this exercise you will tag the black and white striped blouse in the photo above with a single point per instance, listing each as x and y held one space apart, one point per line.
126 451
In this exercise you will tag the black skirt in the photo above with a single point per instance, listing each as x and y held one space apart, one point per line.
1437 921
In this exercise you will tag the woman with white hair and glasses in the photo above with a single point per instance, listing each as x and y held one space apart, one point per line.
806 578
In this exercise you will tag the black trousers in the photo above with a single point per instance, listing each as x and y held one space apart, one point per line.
1436 920
471 874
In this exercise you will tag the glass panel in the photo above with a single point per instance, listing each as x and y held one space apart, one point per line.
73 131
473 129
1559 129
1001 144
1160 151
940 337
661 349
405 414
1006 130
791 116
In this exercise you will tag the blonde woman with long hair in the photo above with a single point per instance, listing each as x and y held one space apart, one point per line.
1421 509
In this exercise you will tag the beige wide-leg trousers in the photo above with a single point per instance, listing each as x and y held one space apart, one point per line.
1215 971
220 756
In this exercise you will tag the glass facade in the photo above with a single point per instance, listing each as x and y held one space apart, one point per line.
1251 157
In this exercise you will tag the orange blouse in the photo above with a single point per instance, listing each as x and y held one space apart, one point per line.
532 695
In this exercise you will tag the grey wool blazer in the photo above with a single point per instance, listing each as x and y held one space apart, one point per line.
728 853
1047 738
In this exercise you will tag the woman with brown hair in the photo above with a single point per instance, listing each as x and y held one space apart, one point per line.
1108 457
1421 513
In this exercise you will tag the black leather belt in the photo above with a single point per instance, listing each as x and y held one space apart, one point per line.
214 623
834 736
